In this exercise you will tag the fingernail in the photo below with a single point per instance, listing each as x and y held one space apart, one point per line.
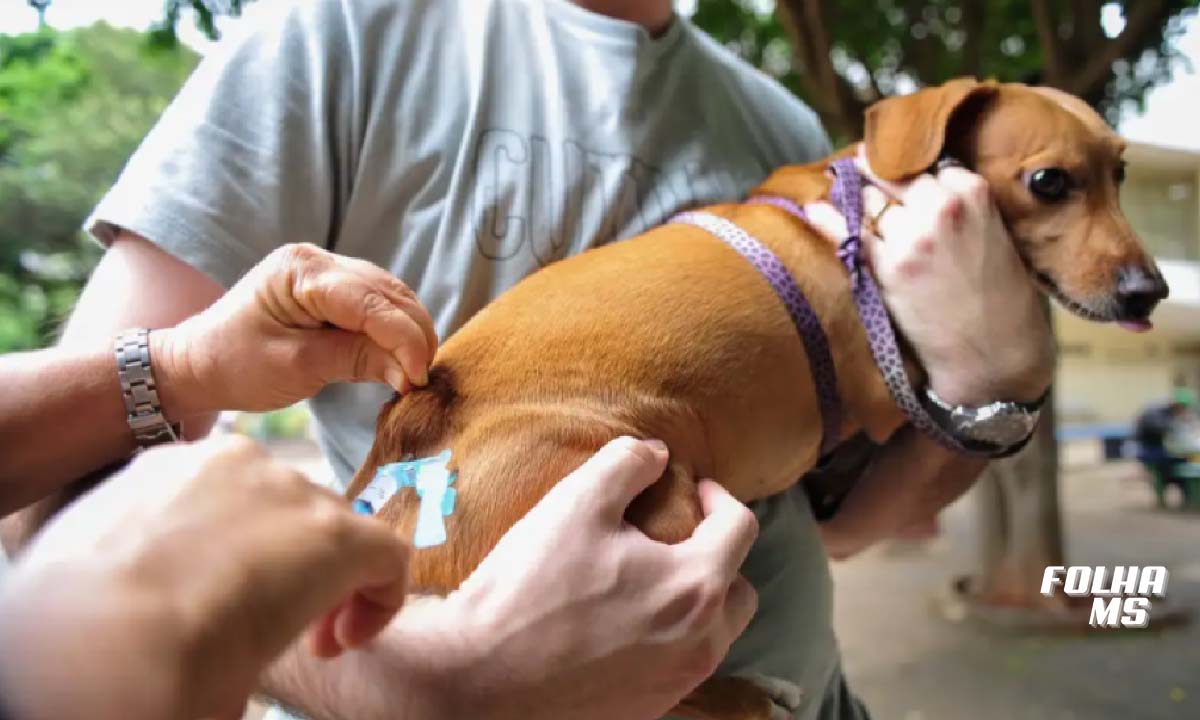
657 446
396 378
421 379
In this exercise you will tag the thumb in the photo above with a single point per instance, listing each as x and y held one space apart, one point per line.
728 529
614 476
344 356
894 189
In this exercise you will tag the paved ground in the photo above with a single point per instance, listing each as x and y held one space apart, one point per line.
909 663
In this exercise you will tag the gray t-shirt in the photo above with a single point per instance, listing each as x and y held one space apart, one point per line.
464 144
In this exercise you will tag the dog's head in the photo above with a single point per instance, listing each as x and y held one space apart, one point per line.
1054 169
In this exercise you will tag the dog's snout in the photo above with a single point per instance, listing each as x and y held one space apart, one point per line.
1139 290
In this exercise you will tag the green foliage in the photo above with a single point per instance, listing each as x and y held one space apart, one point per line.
73 106
880 47
204 13
290 423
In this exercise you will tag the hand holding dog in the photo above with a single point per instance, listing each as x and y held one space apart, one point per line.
299 320
957 288
575 613
625 633
189 572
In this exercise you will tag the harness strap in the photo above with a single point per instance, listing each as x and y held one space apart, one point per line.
846 196
786 204
816 344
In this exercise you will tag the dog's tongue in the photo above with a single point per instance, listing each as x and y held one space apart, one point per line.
1137 326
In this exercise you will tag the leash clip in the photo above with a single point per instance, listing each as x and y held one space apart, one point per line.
850 253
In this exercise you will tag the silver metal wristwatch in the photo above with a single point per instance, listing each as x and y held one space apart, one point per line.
1000 427
134 370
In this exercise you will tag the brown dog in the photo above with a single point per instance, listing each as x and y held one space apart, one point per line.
672 335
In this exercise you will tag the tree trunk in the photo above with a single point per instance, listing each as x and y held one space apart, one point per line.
1019 522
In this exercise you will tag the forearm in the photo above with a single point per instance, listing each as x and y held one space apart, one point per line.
62 417
62 413
413 671
911 479
306 685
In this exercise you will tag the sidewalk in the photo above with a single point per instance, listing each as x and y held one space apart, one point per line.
909 663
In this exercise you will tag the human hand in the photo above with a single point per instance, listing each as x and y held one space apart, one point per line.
574 613
899 494
957 288
190 571
299 320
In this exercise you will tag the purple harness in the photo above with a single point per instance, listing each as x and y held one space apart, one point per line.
846 196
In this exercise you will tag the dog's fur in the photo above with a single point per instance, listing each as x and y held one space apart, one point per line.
673 335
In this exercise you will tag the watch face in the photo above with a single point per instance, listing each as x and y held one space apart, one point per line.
1000 428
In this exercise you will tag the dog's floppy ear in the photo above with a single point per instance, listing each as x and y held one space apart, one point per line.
905 133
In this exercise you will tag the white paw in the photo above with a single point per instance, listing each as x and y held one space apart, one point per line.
785 695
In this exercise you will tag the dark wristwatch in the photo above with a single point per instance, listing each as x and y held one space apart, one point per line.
998 429
145 416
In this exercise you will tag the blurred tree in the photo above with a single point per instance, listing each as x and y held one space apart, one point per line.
204 14
842 56
73 106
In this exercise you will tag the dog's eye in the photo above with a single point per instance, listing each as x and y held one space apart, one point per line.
1119 173
1050 184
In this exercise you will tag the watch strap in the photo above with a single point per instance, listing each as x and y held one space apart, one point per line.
138 390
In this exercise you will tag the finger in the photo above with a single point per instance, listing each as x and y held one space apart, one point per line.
924 194
390 323
900 224
893 189
322 640
741 602
874 249
727 531
967 185
354 357
613 477
379 556
346 300
826 219
877 204
363 590
367 613
403 297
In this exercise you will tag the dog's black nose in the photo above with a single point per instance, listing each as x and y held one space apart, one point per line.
1138 291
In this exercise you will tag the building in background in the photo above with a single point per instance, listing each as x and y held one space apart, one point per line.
1106 374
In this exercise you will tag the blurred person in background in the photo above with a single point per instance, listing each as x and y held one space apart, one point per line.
1167 439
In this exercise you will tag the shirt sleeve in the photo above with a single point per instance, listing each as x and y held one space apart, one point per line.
256 150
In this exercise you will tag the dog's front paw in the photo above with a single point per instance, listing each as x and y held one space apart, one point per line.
785 696
745 697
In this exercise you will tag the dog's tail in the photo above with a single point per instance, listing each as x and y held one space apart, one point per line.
410 425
